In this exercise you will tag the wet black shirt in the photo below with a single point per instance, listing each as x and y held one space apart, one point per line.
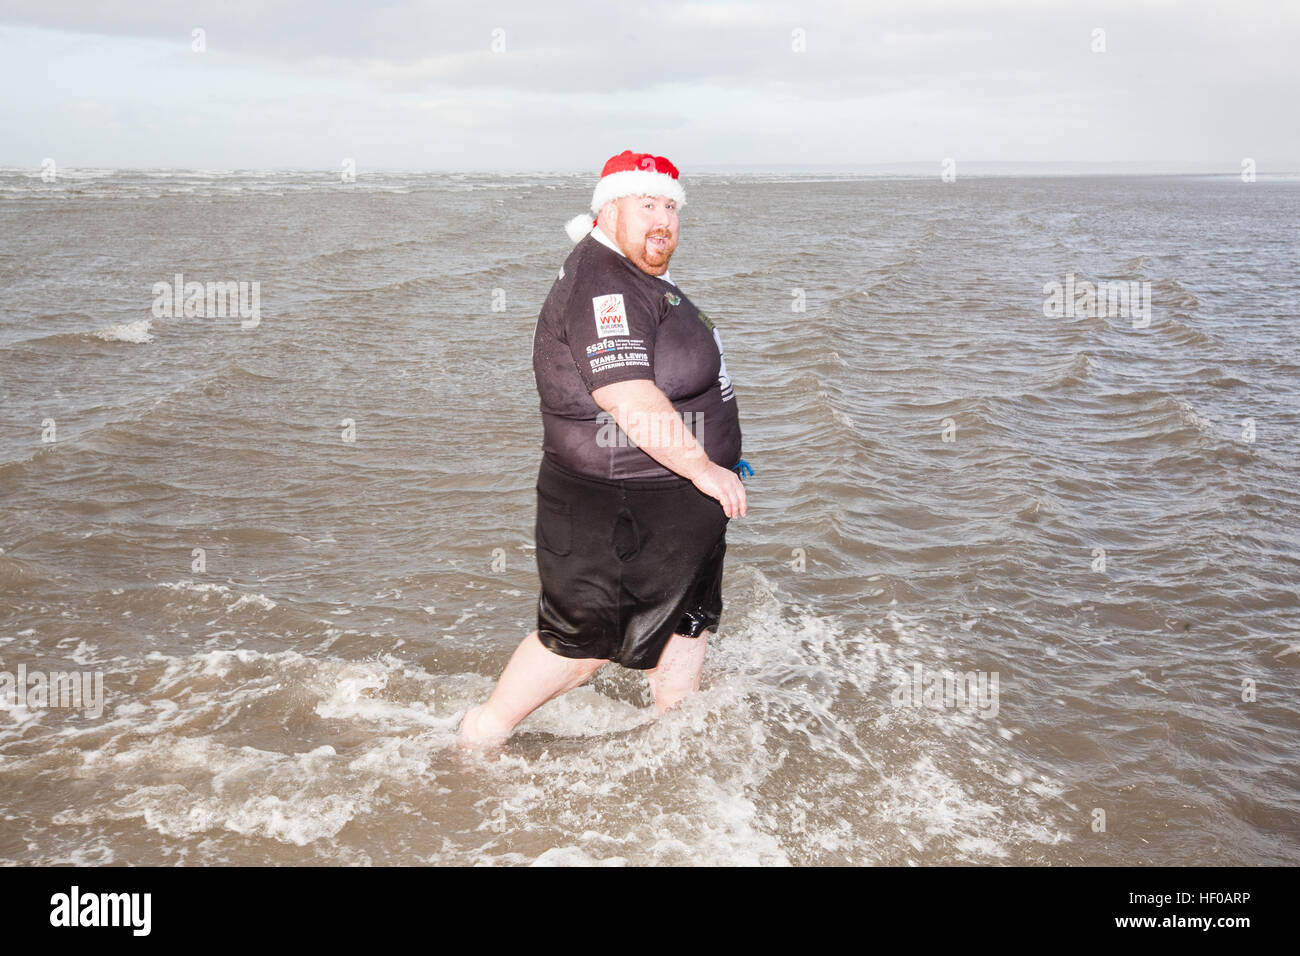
606 321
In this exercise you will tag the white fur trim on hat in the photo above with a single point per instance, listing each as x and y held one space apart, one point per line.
579 226
636 182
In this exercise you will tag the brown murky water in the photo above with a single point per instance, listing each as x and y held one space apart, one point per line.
1097 522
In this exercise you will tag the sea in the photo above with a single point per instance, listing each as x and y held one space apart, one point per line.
1018 582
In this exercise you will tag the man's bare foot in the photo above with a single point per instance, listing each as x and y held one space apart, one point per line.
477 730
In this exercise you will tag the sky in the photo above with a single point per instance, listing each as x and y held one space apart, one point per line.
513 86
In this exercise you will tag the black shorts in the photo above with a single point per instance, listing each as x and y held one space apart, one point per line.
625 564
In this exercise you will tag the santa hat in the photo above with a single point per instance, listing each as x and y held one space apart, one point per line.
629 174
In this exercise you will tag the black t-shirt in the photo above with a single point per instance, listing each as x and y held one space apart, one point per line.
606 321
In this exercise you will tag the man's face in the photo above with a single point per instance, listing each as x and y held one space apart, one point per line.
645 228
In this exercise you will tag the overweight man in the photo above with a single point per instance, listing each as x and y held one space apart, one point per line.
640 469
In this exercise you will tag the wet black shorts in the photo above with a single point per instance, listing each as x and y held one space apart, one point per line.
625 564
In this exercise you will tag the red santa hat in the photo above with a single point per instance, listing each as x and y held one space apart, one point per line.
629 174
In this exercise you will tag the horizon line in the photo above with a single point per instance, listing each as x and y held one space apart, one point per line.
911 167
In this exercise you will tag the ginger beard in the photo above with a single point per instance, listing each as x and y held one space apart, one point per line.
645 228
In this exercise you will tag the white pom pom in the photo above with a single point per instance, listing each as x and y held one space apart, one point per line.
579 226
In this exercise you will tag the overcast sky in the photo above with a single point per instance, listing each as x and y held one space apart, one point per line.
407 85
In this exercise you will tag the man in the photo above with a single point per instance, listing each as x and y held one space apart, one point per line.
630 534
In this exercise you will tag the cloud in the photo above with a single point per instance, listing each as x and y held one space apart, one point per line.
879 81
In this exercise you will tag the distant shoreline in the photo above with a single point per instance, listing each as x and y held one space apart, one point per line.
930 170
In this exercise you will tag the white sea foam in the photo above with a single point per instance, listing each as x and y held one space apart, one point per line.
1197 421
207 589
574 856
246 791
136 332
200 587
348 692
259 600
84 653
791 753
291 798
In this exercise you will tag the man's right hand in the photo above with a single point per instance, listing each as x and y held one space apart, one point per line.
724 485
635 403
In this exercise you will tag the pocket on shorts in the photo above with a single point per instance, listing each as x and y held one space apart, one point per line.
554 529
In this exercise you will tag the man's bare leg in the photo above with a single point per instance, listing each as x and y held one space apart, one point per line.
678 671
533 676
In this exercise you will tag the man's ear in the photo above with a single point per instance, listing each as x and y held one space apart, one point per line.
609 216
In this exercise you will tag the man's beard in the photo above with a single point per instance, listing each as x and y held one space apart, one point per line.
652 261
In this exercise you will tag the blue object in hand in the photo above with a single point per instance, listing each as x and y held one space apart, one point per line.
742 469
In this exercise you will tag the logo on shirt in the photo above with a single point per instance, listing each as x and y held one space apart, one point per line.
672 299
611 317
724 380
